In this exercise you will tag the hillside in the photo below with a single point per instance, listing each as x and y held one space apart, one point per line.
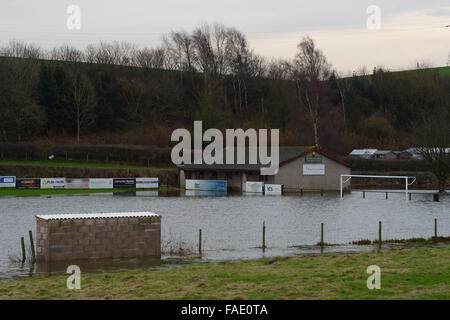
131 105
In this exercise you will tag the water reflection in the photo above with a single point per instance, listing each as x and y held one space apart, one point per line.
231 224
97 265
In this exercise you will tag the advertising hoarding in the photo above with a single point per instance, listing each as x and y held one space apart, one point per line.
273 189
28 183
77 183
206 185
147 183
254 187
313 169
100 183
53 183
7 182
124 183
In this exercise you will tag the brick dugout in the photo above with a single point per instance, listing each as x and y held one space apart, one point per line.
99 235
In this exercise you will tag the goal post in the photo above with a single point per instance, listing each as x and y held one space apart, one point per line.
349 176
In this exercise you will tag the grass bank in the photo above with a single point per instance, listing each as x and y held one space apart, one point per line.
405 274
73 164
38 192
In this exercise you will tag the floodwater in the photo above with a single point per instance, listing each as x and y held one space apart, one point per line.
232 225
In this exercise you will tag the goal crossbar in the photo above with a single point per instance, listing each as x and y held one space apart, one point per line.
349 176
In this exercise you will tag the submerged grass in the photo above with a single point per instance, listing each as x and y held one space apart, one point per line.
37 192
411 240
405 274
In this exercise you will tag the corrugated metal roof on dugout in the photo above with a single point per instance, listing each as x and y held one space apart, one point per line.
97 215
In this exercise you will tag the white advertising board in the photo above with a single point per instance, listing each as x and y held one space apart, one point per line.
7 182
147 183
313 169
273 189
100 183
53 183
77 183
254 187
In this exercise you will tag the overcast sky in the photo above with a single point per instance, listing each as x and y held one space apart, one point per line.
411 30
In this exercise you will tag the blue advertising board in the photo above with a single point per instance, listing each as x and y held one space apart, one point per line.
206 185
7 182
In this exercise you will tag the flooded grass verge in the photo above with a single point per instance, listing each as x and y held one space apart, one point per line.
431 240
419 273
39 192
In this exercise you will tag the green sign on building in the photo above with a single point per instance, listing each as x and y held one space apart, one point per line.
313 158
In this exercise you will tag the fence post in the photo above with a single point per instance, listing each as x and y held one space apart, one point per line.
264 236
321 235
386 195
200 242
22 243
435 229
364 194
379 236
33 253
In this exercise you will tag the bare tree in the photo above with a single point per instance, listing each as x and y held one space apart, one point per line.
81 99
150 58
344 86
309 70
278 70
19 114
180 47
433 139
19 49
117 53
66 53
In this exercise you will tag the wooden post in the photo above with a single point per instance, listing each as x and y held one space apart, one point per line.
33 253
200 242
386 195
364 194
379 236
264 236
321 235
22 243
435 228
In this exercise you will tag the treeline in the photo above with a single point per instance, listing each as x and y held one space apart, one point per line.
117 93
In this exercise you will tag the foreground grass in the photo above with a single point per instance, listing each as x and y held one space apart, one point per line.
38 192
49 163
405 274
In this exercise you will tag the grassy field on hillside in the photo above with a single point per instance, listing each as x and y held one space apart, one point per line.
59 163
405 274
